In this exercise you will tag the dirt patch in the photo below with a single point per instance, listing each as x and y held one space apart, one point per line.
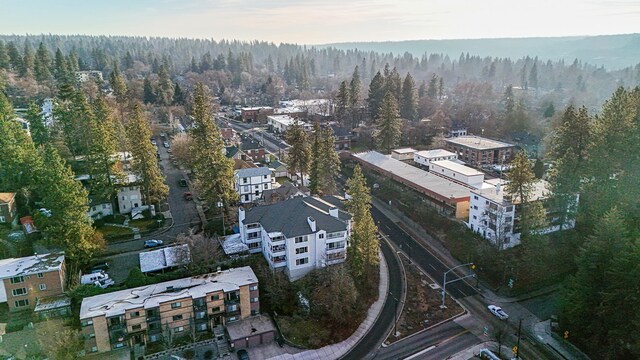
422 304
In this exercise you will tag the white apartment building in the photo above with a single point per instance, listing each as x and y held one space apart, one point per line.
494 214
280 124
425 157
458 172
297 235
129 195
252 182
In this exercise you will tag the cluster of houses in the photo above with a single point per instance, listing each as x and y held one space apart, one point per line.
446 183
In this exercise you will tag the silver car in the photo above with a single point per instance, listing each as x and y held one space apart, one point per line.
498 312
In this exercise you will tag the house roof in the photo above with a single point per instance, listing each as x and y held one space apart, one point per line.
231 151
454 166
248 144
497 192
435 153
404 151
164 258
477 142
340 131
6 197
150 296
276 164
250 326
283 192
258 171
241 164
290 217
30 265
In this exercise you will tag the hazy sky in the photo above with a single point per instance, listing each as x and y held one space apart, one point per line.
322 21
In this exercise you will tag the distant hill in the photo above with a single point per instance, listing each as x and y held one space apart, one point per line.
612 51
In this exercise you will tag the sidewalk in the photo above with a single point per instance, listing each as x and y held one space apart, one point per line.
336 351
541 330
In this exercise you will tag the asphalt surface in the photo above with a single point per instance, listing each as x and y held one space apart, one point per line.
376 335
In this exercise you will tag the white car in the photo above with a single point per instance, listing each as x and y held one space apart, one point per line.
498 312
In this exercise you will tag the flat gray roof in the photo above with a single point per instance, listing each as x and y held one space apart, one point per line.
454 166
150 296
435 153
258 324
434 183
478 142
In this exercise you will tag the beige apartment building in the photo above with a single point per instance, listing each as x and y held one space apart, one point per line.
23 281
173 309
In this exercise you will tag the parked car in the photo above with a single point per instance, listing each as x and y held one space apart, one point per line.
152 243
242 354
103 266
498 312
93 277
188 196
182 183
153 141
169 150
165 144
104 283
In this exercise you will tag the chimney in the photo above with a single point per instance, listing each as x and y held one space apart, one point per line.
312 223
333 212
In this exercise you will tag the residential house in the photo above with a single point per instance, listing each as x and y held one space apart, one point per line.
495 215
297 235
425 157
99 209
168 310
279 169
129 195
241 164
252 150
84 76
343 137
229 136
252 182
47 112
257 114
234 152
25 280
283 192
478 151
8 209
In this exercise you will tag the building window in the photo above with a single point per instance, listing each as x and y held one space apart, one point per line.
302 261
244 180
253 287
136 327
19 292
253 235
43 287
215 310
40 275
301 239
265 176
201 327
17 279
176 305
321 236
302 250
254 312
22 303
266 186
257 187
200 314
232 308
94 349
215 297
246 198
135 314
177 317
474 217
509 208
86 323
179 329
254 300
255 245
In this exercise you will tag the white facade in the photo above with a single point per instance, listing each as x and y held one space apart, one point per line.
403 154
251 183
458 172
425 157
297 255
98 211
493 215
129 197
282 123
458 132
47 112
84 76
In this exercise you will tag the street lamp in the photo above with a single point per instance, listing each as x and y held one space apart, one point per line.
444 281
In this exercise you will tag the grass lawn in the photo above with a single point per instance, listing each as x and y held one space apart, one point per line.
144 224
114 232
305 331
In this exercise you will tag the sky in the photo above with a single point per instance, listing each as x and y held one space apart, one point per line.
321 21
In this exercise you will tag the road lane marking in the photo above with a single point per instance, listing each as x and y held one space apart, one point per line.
421 352
433 267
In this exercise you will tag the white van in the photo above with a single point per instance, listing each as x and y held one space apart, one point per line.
88 279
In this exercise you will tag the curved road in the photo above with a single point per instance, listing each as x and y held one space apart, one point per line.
376 335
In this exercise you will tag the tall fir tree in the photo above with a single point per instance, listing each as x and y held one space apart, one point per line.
42 64
364 250
355 86
118 85
376 95
5 60
298 156
520 178
15 59
432 89
329 162
212 169
28 59
388 123
149 94
144 163
409 104
315 162
343 103
39 132
102 164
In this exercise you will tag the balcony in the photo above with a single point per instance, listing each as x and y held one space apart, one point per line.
277 240
278 249
336 258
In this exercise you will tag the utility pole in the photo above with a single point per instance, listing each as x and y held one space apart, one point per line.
518 344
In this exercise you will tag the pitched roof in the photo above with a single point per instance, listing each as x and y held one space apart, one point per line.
7 197
290 217
248 144
340 131
231 151
259 171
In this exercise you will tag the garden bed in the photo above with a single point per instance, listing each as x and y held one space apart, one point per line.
422 304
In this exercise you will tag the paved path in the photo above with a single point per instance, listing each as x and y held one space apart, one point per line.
338 350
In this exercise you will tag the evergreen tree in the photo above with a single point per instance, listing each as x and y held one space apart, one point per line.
165 87
39 132
149 95
538 168
364 250
42 63
5 60
60 68
178 95
388 123
68 226
549 111
15 60
315 159
144 163
440 88
509 101
393 84
118 85
409 104
432 90
28 59
533 75
127 61
213 170
329 162
422 91
342 103
101 149
298 156
376 95
521 178
354 89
